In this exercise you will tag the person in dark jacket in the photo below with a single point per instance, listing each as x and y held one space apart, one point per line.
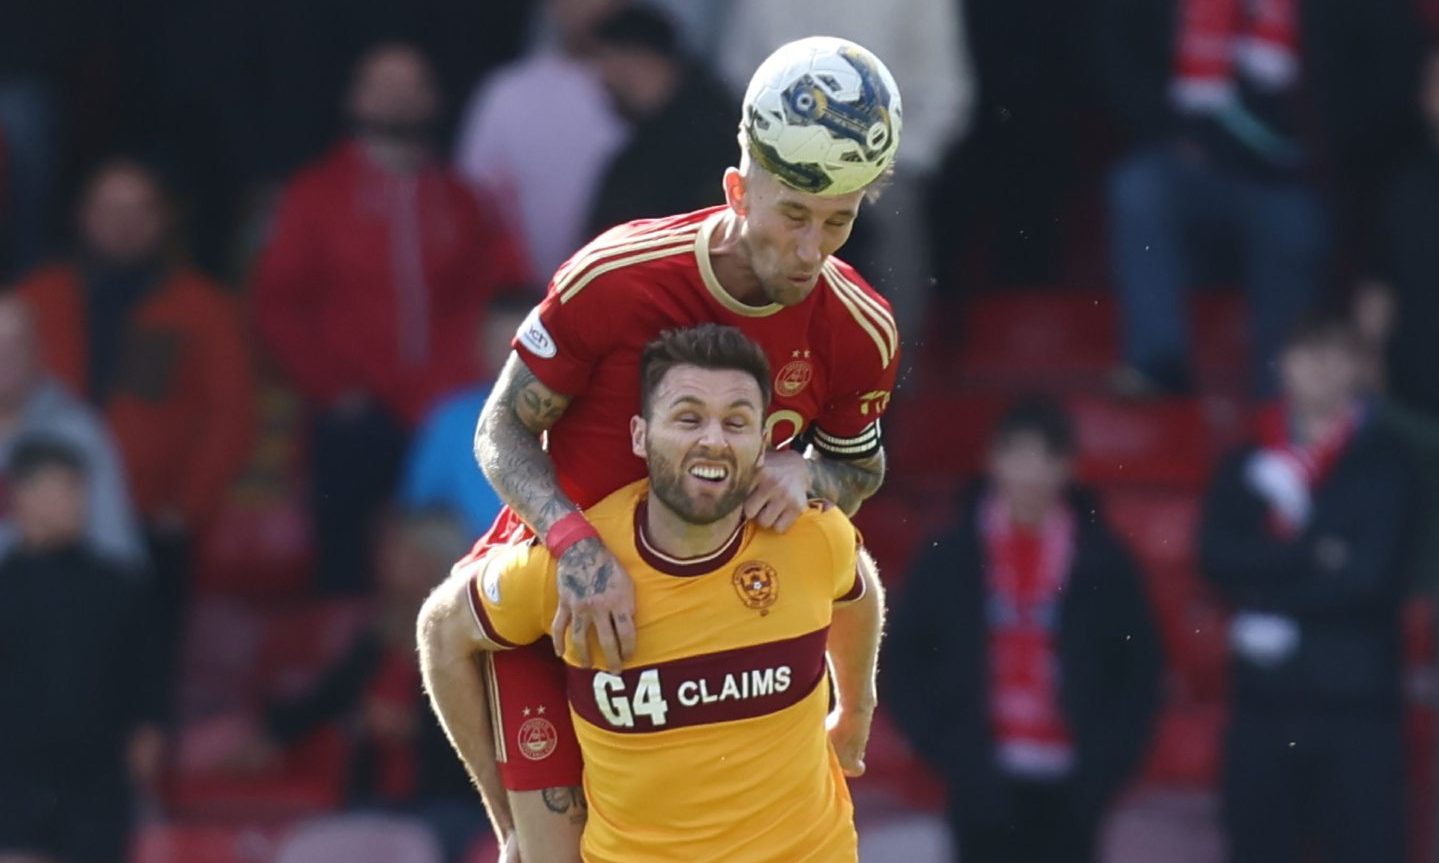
1252 126
79 676
681 122
1306 532
1023 662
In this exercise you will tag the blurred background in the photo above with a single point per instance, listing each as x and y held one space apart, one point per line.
1167 273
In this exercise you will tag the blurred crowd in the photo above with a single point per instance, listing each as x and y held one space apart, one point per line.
261 262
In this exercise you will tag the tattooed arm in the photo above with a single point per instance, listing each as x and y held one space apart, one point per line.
846 484
595 592
788 480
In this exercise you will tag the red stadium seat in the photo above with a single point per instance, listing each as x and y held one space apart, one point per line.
257 550
1222 353
1157 524
1040 339
895 522
310 782
1166 442
300 641
929 435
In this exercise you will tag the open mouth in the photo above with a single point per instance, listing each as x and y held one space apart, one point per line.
714 473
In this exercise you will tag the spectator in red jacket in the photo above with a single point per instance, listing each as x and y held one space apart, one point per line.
162 351
370 292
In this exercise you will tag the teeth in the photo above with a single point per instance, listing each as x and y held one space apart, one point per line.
708 472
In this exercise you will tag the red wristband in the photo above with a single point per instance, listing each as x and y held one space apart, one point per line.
568 531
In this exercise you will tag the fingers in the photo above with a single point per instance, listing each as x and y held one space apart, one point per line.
852 768
609 645
580 643
558 628
625 629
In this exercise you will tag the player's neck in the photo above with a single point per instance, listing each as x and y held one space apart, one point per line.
731 265
674 537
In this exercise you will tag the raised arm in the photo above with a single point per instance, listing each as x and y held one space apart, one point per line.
595 592
450 654
854 637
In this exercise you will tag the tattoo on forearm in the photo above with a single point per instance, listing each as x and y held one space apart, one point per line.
507 446
567 801
846 484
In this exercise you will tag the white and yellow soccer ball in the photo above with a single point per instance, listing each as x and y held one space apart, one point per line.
823 115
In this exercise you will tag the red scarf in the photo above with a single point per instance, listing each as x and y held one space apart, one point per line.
1314 461
1025 575
1257 38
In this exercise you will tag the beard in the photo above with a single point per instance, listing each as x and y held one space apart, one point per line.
667 479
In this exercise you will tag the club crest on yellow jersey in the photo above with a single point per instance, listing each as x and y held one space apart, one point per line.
757 584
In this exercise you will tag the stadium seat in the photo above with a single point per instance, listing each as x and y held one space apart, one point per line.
221 653
361 839
1039 339
184 842
1221 340
256 549
299 641
937 435
895 522
1166 442
311 781
1157 524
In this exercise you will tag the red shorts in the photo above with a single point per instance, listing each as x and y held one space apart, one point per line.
534 740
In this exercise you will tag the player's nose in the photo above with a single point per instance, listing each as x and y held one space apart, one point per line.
808 249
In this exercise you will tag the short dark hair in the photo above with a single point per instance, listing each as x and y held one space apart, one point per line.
1323 325
32 455
640 27
709 346
1037 415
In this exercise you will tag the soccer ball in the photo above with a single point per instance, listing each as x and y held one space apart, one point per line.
823 115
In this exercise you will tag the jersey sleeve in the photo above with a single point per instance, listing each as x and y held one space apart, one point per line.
843 541
513 594
848 426
560 342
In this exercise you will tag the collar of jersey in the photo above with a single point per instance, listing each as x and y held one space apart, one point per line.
685 567
707 274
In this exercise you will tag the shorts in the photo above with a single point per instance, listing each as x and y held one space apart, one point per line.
535 741
83 819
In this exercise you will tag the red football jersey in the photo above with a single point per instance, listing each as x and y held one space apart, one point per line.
834 357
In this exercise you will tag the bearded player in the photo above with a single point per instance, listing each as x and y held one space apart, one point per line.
819 128
709 745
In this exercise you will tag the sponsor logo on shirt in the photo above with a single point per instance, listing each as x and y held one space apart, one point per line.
536 338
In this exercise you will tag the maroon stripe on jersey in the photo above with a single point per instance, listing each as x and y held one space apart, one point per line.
482 617
855 591
701 690
683 567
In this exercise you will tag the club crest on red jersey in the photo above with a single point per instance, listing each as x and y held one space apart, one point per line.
757 584
537 738
794 375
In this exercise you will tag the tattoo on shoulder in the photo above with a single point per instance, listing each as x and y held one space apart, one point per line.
537 406
567 801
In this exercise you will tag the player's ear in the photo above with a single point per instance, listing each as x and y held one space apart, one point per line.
637 435
735 190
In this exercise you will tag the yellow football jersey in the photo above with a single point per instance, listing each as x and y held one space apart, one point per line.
711 745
